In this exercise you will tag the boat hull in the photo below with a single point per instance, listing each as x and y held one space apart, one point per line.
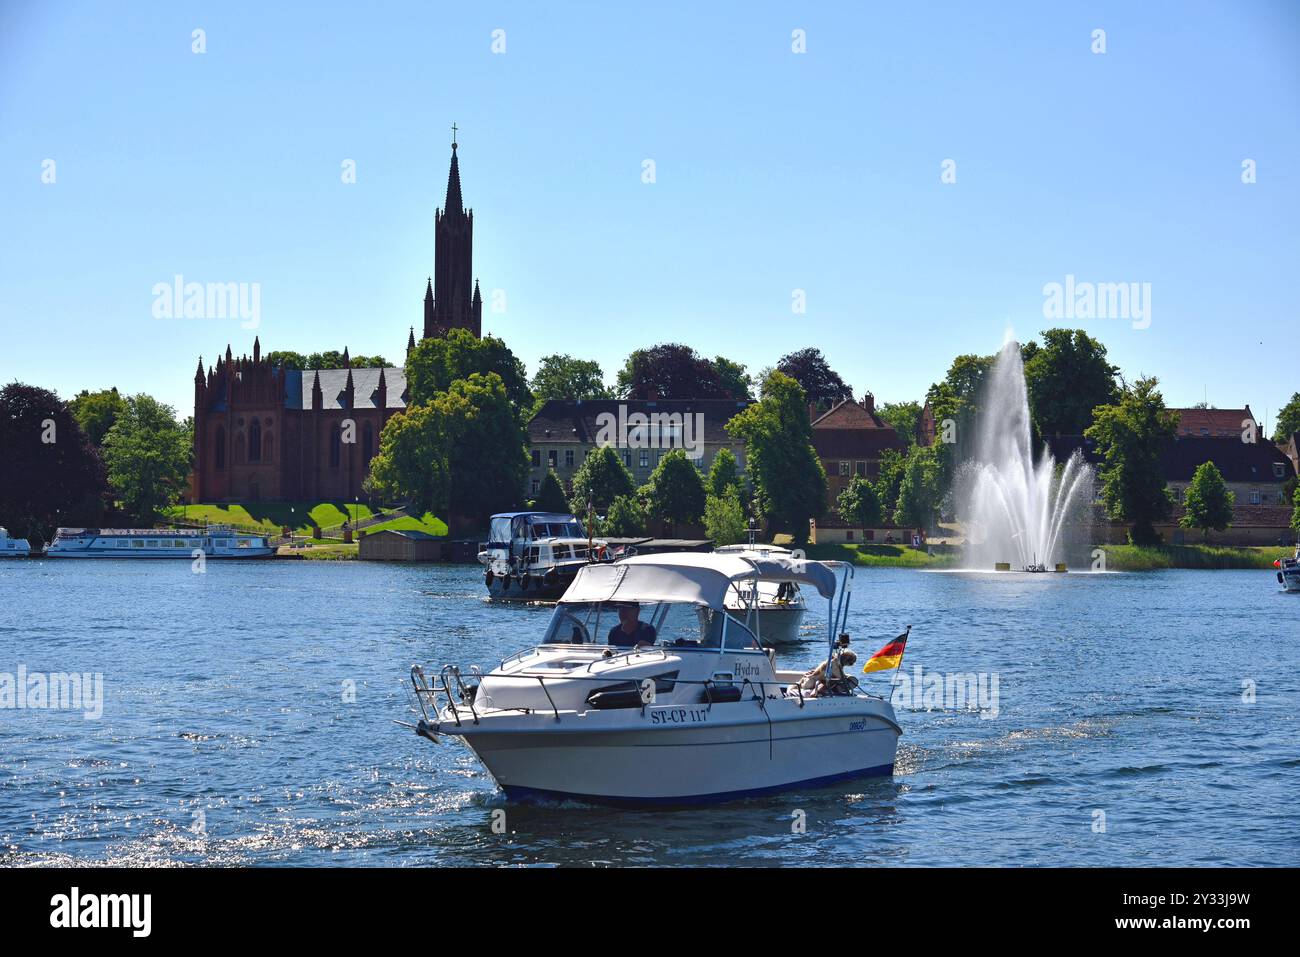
498 588
676 754
776 626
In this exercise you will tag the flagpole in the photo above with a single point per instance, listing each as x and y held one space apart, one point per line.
898 667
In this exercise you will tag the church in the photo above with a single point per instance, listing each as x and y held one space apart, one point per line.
265 433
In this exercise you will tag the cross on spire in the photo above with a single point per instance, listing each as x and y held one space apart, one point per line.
454 127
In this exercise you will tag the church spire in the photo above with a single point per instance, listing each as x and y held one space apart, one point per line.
257 350
455 203
410 342
347 360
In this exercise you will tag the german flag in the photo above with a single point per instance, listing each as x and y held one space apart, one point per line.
890 656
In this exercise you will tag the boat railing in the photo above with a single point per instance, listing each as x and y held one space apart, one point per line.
449 686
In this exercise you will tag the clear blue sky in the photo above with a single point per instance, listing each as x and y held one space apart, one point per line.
775 171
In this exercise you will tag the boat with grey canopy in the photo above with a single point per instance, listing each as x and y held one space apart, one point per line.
645 689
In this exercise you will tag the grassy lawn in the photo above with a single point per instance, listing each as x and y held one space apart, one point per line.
331 551
428 523
1131 558
272 516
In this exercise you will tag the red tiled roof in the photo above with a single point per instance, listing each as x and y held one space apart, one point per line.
1214 422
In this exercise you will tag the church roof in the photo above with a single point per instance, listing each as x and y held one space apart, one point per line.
333 384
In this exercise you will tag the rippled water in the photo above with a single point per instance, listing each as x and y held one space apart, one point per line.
226 737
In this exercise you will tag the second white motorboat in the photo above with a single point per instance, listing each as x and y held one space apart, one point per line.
772 608
646 690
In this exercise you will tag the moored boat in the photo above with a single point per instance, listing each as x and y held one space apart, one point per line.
772 607
13 547
216 541
646 690
534 556
1288 572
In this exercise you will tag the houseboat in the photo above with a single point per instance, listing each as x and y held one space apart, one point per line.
534 556
216 541
13 547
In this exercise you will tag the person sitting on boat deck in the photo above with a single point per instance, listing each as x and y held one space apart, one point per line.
631 631
815 680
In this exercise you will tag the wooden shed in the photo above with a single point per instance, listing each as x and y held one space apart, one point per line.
392 545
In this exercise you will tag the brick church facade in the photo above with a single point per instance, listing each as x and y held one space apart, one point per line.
263 432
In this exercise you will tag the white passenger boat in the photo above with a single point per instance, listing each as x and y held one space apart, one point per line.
216 541
772 608
1288 572
697 712
534 556
13 547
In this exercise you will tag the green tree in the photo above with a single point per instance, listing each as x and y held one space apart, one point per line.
893 465
1132 435
904 417
97 411
487 461
724 473
411 465
625 518
51 474
921 490
1288 419
788 478
1066 379
601 478
736 382
859 505
676 490
434 364
1295 515
148 457
724 517
1208 501
564 377
289 360
551 497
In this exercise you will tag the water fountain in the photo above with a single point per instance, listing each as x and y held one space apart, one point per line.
1018 513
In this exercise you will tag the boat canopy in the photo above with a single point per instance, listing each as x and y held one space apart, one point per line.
700 579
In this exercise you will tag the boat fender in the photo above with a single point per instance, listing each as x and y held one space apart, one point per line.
551 576
488 578
620 698
523 581
1280 579
720 694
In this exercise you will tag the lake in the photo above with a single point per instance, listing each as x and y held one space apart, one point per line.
248 719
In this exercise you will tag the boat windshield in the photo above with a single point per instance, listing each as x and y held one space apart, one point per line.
674 624
558 529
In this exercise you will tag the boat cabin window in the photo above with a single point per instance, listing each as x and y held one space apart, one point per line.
500 531
679 624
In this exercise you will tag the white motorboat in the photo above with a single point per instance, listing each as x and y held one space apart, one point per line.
772 608
215 541
13 547
1288 572
697 712
534 556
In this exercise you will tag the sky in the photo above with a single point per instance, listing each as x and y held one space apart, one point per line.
781 179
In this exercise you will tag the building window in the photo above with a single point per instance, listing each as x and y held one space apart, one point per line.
869 534
645 459
627 458
219 453
536 486
537 458
568 458
844 469
1254 496
266 447
848 536
367 444
550 458
861 468
336 445
255 441
1279 470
